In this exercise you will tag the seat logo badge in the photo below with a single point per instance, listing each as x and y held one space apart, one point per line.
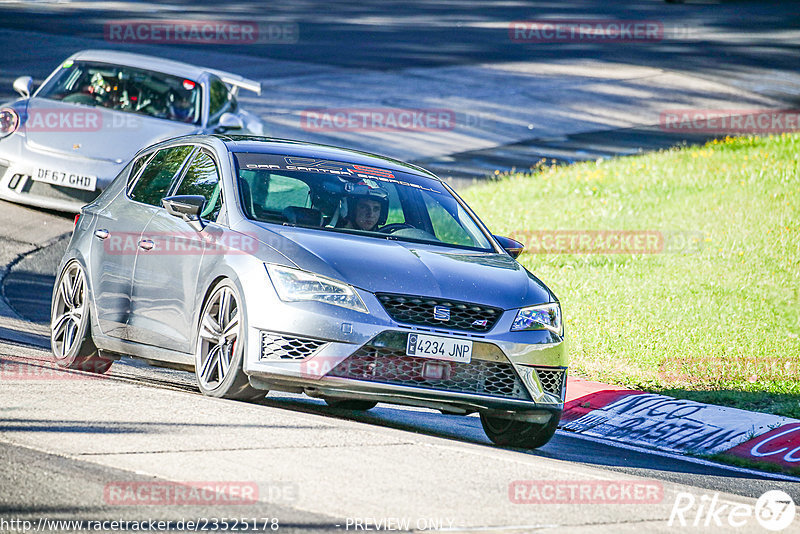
441 313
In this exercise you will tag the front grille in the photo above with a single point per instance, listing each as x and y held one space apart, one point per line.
419 310
278 347
552 380
393 366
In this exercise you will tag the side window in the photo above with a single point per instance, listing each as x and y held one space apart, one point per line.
136 167
219 97
157 176
202 178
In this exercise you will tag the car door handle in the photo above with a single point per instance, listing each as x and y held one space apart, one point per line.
101 233
146 244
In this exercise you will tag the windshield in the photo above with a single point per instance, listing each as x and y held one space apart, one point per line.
343 197
125 89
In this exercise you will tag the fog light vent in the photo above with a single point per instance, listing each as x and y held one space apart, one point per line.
280 347
553 381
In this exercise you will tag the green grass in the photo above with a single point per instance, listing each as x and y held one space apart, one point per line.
716 315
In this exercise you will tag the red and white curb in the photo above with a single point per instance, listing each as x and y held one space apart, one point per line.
678 426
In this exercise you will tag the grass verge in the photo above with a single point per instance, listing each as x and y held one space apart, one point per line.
710 311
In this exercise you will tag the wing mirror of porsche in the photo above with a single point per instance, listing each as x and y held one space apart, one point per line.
186 207
229 121
513 247
24 85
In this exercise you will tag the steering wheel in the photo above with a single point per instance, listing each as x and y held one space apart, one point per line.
394 227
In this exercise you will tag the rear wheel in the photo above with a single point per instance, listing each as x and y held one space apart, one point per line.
220 350
351 404
521 434
70 331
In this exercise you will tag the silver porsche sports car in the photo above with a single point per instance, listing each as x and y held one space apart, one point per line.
266 264
64 144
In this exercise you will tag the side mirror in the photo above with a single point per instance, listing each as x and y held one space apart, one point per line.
187 207
24 85
229 121
514 248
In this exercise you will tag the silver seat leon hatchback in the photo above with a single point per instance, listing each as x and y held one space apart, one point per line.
264 264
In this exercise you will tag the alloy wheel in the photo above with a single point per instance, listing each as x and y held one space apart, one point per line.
219 332
69 312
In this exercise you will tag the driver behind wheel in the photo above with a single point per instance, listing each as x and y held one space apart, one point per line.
180 106
367 206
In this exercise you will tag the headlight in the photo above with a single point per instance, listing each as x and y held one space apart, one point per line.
9 122
295 285
542 317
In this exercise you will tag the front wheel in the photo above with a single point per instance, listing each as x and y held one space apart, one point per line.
220 350
70 332
521 434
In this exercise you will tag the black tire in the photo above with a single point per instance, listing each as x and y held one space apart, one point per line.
351 404
220 347
70 324
510 433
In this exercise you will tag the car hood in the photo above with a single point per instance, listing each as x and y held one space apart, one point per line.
96 133
392 266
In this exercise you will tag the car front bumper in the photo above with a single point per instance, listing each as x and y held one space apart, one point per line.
305 349
18 163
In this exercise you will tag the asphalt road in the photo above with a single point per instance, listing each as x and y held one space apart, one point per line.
64 439
67 437
714 38
514 102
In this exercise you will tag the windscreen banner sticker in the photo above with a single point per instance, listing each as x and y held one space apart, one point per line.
373 171
322 166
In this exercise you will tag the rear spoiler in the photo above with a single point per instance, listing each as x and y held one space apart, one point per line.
238 81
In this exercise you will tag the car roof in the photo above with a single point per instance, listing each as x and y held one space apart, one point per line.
140 61
290 147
